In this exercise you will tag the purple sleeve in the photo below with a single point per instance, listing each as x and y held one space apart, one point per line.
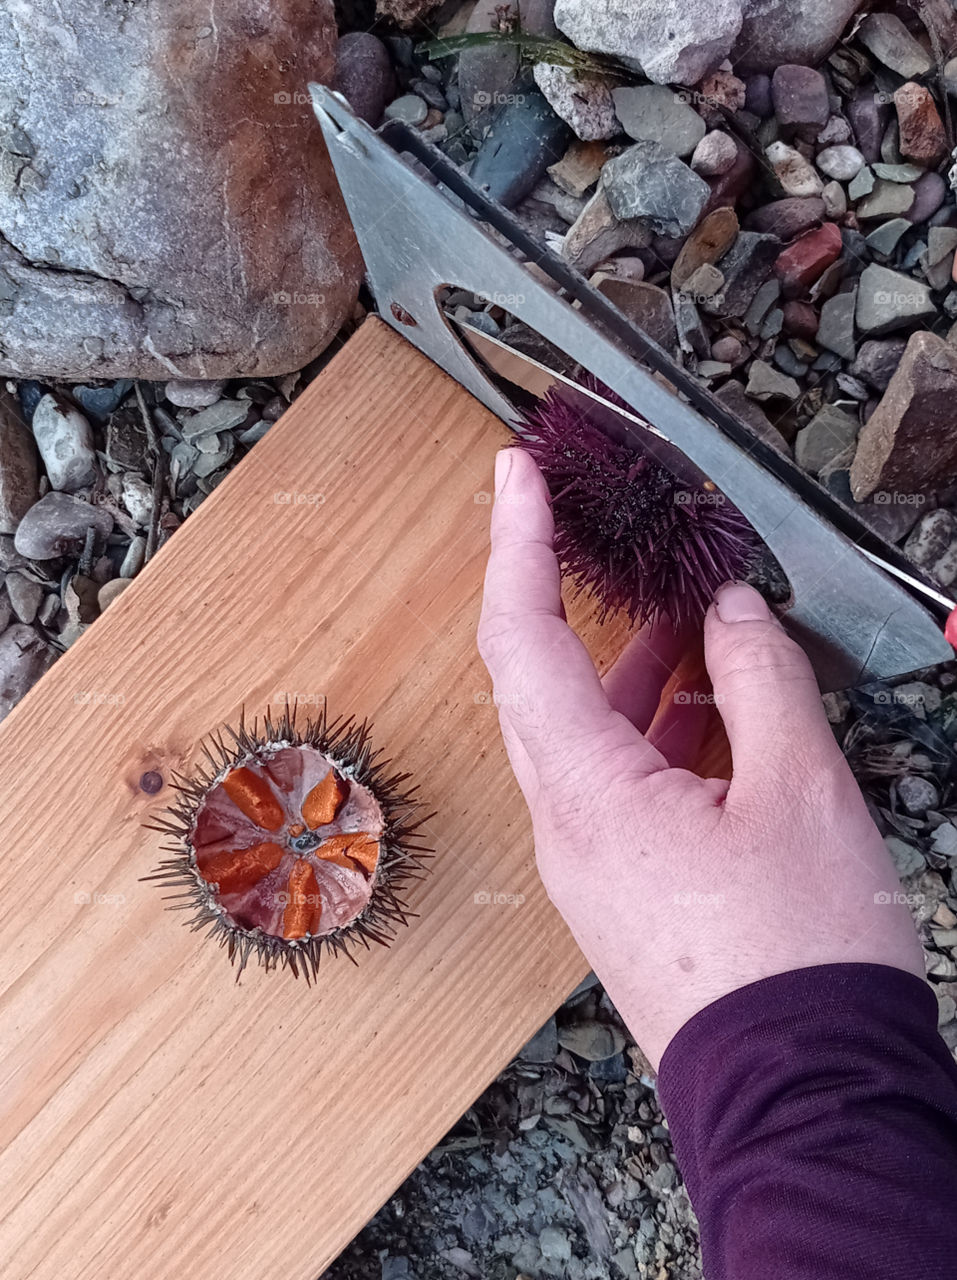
814 1117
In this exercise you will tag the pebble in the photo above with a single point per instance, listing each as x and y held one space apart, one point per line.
579 168
195 394
887 300
584 102
110 590
909 443
138 499
729 350
57 525
886 200
766 383
554 1244
802 262
25 595
19 468
65 442
826 438
876 361
892 44
867 117
365 77
221 416
897 172
916 795
655 113
907 860
757 98
795 174
650 183
24 657
923 138
746 266
526 136
715 154
134 559
836 328
861 184
591 1040
885 238
647 306
800 99
836 132
409 108
930 191
841 163
711 239
100 402
597 234
787 218
938 261
931 538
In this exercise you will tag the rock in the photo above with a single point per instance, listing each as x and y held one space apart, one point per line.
787 218
597 234
409 108
554 1244
645 305
836 329
100 402
829 434
835 200
892 44
488 74
729 350
364 74
672 41
543 1045
932 538
885 238
836 132
593 1041
757 98
156 227
887 300
862 184
650 183
842 163
795 174
923 138
916 795
800 98
938 261
714 154
711 239
802 32
579 168
720 91
867 117
907 860
19 469
134 558
65 442
746 265
876 361
194 395
221 416
733 395
57 525
800 264
886 200
898 172
23 659
583 102
138 499
655 113
800 321
909 443
525 137
930 191
766 383
728 188
25 595
704 284
110 590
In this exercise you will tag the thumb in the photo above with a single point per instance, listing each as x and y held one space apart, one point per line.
764 688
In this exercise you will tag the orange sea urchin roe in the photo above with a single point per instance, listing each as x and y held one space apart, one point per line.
322 803
350 850
254 797
241 868
304 907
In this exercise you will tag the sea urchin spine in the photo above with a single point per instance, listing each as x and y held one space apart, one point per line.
293 841
644 542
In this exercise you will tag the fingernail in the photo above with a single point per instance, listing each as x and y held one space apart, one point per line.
503 465
737 602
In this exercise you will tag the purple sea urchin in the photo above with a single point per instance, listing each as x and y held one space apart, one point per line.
293 841
644 542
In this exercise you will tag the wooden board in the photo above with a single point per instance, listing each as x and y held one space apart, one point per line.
159 1120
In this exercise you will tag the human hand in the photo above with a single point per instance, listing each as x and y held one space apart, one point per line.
679 889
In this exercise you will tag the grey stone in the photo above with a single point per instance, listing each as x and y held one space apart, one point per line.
652 184
134 558
886 200
525 136
788 31
938 261
892 44
195 394
19 469
799 94
907 860
766 383
932 537
887 300
597 234
787 218
554 1244
583 102
100 402
489 74
746 266
138 499
861 184
885 238
897 172
733 395
655 113
836 330
591 1040
152 223
876 361
761 304
829 434
65 442
221 416
409 108
715 154
57 525
672 41
835 200
841 162
24 657
648 306
916 795
25 595
543 1045
364 74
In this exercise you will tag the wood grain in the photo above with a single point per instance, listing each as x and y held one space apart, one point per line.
157 1118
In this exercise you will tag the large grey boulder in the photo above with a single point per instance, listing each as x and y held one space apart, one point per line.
167 208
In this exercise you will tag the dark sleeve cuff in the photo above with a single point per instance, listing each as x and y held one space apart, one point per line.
814 1118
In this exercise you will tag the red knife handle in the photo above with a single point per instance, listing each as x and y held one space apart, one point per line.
950 628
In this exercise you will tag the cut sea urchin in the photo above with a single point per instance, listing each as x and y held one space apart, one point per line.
293 841
647 544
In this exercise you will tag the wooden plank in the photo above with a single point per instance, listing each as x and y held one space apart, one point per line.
157 1118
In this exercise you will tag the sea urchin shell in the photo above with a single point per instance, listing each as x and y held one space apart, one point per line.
625 527
293 841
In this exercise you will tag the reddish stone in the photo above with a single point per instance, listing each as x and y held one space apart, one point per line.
923 138
806 259
801 320
728 187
